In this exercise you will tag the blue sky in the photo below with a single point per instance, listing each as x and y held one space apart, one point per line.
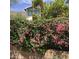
22 4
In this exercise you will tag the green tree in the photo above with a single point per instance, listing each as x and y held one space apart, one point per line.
58 8
38 4
35 3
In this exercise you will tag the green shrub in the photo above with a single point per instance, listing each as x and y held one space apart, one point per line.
38 35
18 24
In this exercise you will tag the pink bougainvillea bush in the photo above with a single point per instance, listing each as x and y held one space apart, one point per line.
52 34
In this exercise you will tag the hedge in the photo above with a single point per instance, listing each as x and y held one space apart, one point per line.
40 35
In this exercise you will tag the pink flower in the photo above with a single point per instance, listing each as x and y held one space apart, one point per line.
60 28
56 39
61 42
21 40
